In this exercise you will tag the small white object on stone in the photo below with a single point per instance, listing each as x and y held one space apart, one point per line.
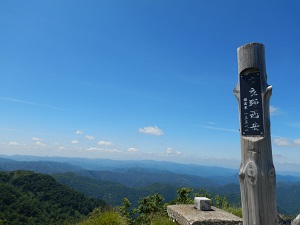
202 203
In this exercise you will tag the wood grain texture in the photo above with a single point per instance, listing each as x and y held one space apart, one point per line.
257 173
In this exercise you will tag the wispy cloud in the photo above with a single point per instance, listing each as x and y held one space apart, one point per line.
279 156
74 142
13 143
32 103
36 139
89 137
285 142
297 141
282 142
132 150
219 128
102 150
7 129
79 132
105 143
40 144
274 110
211 123
153 130
170 152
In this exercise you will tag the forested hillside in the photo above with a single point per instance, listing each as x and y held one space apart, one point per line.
114 184
113 193
31 198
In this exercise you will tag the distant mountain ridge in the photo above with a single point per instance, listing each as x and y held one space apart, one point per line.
45 167
111 165
126 179
51 165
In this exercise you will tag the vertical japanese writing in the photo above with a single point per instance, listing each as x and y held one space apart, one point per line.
251 105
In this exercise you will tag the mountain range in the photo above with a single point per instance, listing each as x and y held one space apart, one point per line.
112 180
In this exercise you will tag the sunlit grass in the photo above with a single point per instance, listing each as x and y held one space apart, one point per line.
105 218
161 220
234 210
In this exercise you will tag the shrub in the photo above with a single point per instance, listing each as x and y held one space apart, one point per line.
105 218
161 220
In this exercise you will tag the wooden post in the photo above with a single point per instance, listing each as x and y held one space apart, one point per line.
257 173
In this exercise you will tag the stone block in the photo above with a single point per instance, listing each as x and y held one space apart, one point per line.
188 215
202 203
296 221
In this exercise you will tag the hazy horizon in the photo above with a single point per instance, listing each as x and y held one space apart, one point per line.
143 79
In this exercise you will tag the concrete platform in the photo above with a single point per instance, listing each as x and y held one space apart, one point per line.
188 215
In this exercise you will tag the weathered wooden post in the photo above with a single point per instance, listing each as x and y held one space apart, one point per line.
257 173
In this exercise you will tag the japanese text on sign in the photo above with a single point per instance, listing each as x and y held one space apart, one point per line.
251 104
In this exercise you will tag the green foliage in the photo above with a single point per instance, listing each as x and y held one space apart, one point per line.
31 198
234 210
125 209
150 211
225 202
113 193
151 204
220 202
108 217
204 193
184 196
161 220
3 222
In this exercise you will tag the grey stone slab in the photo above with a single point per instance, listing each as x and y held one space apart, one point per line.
188 215
296 221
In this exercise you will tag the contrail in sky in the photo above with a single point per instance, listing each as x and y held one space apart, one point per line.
32 103
218 128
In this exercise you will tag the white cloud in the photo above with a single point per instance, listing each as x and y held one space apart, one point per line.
211 123
13 143
155 130
112 150
79 132
92 149
171 151
279 156
36 139
132 150
286 142
102 150
61 148
74 142
105 143
89 137
38 143
273 110
297 141
282 142
219 128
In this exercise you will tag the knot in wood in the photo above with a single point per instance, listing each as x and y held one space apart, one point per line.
272 172
251 171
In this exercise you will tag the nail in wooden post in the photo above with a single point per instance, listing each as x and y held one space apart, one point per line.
257 173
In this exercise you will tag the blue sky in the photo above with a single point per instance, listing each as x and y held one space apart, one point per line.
143 79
